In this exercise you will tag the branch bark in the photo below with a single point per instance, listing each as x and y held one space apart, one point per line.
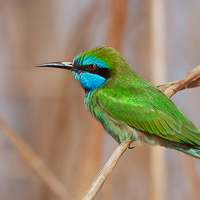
106 170
190 81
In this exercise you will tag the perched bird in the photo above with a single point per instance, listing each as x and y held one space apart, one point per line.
128 106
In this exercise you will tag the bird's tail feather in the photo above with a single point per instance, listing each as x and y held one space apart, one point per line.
192 151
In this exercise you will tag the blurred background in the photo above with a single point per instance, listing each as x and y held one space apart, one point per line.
45 107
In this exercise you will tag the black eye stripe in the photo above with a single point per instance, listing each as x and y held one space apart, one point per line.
104 72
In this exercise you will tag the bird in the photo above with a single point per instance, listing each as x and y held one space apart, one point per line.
127 105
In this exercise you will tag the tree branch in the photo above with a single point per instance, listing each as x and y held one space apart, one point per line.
190 81
107 169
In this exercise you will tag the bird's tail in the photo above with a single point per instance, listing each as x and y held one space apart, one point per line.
191 138
192 151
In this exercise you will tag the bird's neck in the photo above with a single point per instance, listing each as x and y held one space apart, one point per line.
89 99
124 80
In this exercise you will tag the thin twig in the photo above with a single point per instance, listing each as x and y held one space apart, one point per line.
190 81
169 89
107 169
35 162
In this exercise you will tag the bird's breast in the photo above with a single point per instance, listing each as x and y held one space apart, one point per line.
120 131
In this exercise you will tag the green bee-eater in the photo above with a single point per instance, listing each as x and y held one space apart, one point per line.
124 102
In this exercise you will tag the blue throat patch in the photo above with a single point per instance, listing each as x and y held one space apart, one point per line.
88 80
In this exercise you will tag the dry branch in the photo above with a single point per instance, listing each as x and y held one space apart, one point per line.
190 81
107 169
35 162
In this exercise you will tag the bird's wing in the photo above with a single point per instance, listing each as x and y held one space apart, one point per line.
149 110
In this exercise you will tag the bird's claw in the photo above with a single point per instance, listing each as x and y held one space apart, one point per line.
131 147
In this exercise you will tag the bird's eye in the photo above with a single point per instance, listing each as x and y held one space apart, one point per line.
92 67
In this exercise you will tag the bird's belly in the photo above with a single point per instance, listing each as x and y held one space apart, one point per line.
118 130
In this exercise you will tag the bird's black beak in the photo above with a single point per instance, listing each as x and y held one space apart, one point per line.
61 65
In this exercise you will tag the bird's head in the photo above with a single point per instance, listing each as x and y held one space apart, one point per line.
95 67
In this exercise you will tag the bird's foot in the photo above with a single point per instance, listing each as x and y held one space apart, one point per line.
131 147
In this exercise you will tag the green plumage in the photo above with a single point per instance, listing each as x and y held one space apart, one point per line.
128 106
130 100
